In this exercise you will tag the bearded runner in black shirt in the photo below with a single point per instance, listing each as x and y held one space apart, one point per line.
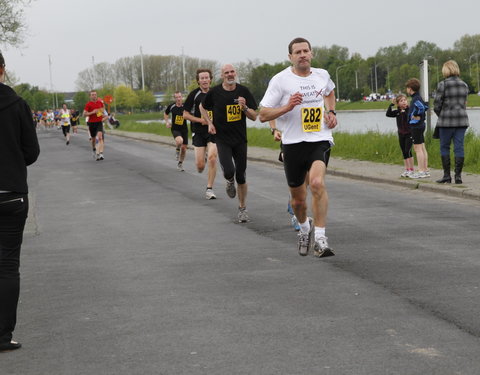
231 104
179 127
202 140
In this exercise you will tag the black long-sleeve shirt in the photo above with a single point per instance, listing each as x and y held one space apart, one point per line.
18 141
401 117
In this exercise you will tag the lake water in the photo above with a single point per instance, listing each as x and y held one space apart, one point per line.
364 121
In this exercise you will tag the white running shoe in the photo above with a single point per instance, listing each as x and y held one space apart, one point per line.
420 174
242 215
209 194
306 241
322 249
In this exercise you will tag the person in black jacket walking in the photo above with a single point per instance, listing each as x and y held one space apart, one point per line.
450 107
18 148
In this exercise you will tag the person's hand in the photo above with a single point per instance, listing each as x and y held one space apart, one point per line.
277 135
330 120
242 102
211 129
295 99
168 124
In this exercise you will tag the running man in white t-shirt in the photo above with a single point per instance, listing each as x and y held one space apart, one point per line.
302 101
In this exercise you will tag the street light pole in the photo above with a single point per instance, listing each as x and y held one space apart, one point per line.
338 86
141 63
470 67
436 66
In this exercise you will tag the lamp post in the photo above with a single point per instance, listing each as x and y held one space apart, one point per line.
336 74
470 66
436 66
141 63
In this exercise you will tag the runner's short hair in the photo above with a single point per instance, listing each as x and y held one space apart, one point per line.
295 41
204 71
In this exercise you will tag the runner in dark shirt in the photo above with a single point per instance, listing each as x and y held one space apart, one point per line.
203 141
178 124
231 104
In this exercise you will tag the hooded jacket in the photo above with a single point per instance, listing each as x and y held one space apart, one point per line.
18 141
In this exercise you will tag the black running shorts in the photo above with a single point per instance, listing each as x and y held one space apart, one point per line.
94 128
299 157
202 139
181 133
417 134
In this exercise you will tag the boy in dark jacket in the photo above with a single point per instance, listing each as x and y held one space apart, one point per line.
18 148
416 120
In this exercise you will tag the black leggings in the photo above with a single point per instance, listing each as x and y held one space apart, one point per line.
233 160
405 145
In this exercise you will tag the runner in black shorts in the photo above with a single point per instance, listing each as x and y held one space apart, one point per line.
202 140
296 97
231 104
94 111
178 124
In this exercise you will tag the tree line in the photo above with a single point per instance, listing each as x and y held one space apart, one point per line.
355 77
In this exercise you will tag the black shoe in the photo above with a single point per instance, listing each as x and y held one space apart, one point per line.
9 346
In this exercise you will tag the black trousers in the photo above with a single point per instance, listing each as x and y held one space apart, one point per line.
13 214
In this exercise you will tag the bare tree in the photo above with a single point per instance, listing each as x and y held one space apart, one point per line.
12 26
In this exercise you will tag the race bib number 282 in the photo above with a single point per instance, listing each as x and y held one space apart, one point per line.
312 119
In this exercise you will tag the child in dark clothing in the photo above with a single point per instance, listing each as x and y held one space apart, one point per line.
404 134
416 120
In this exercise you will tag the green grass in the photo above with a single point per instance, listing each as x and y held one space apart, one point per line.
361 106
372 146
473 100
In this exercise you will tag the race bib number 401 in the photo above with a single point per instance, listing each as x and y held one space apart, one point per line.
234 113
312 119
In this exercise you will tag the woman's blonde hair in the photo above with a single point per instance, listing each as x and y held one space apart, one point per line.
450 68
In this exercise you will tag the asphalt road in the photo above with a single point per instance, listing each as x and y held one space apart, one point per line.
127 269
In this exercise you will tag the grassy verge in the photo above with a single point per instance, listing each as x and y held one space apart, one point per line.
372 146
472 101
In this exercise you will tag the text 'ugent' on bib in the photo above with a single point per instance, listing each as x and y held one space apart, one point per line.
234 113
312 119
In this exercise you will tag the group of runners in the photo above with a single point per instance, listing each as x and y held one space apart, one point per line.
299 104
55 118
69 119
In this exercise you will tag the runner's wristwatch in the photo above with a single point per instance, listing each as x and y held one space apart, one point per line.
332 111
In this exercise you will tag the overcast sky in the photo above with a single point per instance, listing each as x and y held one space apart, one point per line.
71 32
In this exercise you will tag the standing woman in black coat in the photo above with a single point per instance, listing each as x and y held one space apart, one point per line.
18 148
450 107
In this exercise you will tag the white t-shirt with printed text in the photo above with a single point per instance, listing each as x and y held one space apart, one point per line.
304 123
